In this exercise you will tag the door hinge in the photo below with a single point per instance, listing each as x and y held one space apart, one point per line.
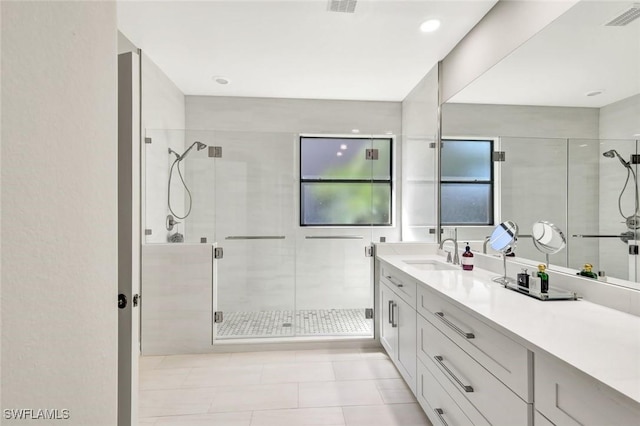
136 300
368 313
218 253
433 145
371 154
368 251
147 140
148 232
498 156
635 159
633 249
217 317
215 151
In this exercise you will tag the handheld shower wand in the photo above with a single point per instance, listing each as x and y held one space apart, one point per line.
632 220
200 146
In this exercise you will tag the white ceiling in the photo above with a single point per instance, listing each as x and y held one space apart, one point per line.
297 49
574 55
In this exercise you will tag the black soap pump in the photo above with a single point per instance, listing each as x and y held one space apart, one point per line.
523 281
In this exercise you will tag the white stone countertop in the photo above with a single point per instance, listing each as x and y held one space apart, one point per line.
599 341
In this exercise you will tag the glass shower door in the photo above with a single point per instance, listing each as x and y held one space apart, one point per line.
254 218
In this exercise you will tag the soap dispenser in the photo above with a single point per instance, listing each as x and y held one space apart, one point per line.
467 259
587 271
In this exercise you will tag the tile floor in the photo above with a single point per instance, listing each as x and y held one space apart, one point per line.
327 322
327 387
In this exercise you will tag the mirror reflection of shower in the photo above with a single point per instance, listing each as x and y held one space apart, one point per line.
633 220
176 164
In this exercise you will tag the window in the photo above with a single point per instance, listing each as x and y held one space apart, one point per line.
339 186
466 182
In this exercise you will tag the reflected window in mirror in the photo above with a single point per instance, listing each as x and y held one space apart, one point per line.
467 182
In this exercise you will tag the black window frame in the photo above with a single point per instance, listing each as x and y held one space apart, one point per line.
491 182
302 181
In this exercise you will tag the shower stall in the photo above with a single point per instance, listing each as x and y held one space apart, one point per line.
238 196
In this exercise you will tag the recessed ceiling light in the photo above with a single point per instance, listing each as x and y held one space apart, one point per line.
430 25
339 154
221 80
355 131
343 146
594 93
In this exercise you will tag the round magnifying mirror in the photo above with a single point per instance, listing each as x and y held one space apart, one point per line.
504 236
547 237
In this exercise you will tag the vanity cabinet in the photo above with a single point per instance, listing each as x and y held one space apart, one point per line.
398 321
461 370
568 397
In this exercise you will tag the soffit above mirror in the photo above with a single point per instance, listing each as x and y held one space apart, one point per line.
574 55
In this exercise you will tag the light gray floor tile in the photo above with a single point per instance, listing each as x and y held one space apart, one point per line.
395 391
331 416
386 415
297 372
376 353
324 355
172 402
190 361
217 419
230 375
168 378
338 394
267 357
258 397
149 362
365 369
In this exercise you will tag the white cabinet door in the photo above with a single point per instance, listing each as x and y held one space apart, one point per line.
405 317
388 333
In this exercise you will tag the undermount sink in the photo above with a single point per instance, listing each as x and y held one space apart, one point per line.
431 265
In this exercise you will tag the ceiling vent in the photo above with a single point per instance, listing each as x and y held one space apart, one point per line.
627 16
343 6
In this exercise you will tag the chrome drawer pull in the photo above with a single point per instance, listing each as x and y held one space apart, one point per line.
394 282
439 413
454 327
440 360
390 311
394 323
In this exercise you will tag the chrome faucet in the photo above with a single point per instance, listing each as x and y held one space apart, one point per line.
456 259
484 245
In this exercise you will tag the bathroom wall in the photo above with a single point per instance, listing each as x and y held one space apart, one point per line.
254 191
59 210
535 141
163 107
619 122
419 174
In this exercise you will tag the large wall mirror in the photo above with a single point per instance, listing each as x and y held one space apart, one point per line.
565 109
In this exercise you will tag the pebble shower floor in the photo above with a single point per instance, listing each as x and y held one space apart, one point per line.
334 322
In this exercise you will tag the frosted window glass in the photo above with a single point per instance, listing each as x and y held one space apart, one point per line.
468 204
466 160
344 158
346 204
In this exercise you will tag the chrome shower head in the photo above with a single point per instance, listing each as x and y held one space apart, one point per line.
199 146
613 153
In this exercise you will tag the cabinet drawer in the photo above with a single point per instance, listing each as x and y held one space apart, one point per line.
568 397
498 404
403 285
435 391
504 358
